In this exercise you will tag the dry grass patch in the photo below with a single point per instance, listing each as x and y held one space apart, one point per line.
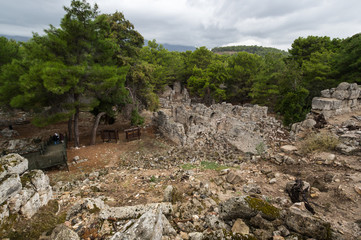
319 142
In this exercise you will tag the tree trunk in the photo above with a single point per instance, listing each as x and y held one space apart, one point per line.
70 128
76 127
95 128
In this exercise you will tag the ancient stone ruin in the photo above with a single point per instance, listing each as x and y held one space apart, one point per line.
21 191
336 101
247 128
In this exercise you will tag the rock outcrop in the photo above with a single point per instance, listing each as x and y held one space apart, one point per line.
21 191
246 128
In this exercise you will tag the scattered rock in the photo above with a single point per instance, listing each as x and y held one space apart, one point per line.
240 227
132 212
288 148
168 194
61 232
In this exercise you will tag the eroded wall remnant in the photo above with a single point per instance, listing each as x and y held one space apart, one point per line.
247 128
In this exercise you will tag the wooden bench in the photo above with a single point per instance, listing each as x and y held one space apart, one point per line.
132 133
108 135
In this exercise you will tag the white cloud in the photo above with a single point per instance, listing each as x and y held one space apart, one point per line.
203 22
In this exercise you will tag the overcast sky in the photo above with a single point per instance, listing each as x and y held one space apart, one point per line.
210 23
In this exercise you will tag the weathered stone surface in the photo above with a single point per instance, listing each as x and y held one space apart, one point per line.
4 212
325 103
246 207
308 123
168 194
301 221
39 179
341 94
6 132
61 232
21 198
326 93
324 157
10 185
148 227
343 86
240 227
45 195
132 212
288 148
13 163
357 188
215 223
244 127
233 177
31 206
195 236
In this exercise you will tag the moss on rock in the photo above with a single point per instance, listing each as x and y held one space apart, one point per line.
268 211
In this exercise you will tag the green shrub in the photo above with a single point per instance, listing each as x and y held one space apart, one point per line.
136 119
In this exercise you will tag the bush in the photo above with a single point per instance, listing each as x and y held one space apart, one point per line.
319 142
136 119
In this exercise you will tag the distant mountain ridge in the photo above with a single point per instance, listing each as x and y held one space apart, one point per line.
261 51
169 47
174 47
16 38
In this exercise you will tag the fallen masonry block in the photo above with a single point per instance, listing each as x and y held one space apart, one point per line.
131 212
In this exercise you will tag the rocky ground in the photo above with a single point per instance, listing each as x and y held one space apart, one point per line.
156 188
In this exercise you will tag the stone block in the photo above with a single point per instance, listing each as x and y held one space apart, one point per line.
61 232
132 212
45 195
302 221
354 94
39 179
326 93
10 185
31 206
13 163
21 198
343 86
341 94
325 103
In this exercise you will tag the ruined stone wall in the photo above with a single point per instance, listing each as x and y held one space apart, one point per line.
336 101
247 128
21 191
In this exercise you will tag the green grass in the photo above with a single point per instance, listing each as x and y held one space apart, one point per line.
204 166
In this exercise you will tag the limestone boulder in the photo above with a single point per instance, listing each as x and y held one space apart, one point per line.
341 94
21 198
131 212
13 163
10 185
240 227
38 179
301 221
168 194
246 207
31 206
325 103
61 232
148 226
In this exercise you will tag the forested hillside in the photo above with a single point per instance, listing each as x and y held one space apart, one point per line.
261 51
97 62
